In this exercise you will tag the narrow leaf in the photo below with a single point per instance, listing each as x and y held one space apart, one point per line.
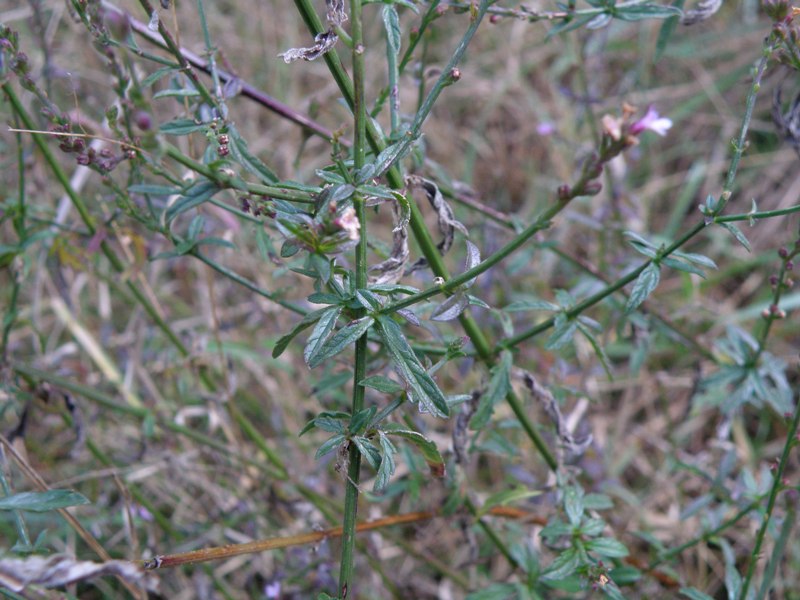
342 339
737 233
506 497
422 388
42 501
450 308
644 286
242 155
196 195
322 330
307 322
499 386
428 449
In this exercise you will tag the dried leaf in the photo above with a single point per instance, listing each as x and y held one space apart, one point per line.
336 13
573 447
446 218
53 571
322 43
391 270
705 9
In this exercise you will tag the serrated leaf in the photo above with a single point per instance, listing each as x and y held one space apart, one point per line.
181 127
42 501
305 323
607 547
330 445
388 465
391 23
382 384
644 285
499 386
196 195
337 416
428 449
563 566
737 233
320 334
368 451
506 497
241 154
450 308
360 420
562 334
422 388
343 338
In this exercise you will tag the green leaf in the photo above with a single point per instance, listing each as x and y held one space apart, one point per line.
341 339
391 23
382 384
646 282
186 92
42 501
638 12
666 31
307 322
388 465
679 265
607 547
330 445
522 305
597 502
571 25
563 566
361 419
154 190
562 334
158 74
422 388
699 259
332 422
182 127
573 504
737 233
242 155
506 497
196 195
428 449
598 349
499 386
695 594
322 330
368 451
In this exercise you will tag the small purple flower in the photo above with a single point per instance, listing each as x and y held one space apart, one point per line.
652 121
545 128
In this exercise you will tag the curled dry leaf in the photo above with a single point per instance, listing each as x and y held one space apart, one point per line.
446 218
391 270
568 443
18 573
704 10
323 41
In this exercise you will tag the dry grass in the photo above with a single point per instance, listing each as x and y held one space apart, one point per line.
156 491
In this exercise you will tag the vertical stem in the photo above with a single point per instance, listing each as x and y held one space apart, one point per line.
360 367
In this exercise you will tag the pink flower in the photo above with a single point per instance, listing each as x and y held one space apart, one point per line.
652 121
348 221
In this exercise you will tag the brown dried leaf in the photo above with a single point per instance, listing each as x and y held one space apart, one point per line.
53 571
568 443
705 9
446 218
322 43
391 270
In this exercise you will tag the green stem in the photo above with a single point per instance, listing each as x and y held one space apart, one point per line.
231 181
360 366
704 537
777 486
